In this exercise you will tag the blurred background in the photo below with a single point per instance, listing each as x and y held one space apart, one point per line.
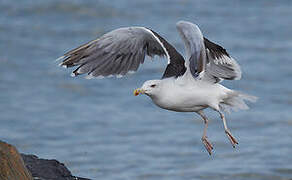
100 130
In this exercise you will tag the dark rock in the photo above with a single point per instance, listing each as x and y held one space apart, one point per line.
14 166
44 169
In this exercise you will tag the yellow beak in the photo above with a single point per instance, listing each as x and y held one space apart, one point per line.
138 91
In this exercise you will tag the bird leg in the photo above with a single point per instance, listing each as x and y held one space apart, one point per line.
205 140
232 140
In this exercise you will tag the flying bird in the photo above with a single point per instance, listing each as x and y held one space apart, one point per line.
187 85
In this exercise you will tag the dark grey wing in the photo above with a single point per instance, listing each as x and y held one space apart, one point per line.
220 65
176 66
116 53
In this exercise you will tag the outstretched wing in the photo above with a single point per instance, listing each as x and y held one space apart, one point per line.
207 60
119 52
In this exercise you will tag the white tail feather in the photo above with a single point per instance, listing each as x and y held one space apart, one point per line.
235 101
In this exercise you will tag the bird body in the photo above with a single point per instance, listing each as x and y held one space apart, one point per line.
183 96
190 85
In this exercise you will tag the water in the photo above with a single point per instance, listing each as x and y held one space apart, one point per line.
101 131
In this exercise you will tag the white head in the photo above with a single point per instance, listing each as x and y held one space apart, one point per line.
150 88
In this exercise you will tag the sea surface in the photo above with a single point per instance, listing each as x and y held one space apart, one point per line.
101 131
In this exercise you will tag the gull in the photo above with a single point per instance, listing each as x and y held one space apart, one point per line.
190 85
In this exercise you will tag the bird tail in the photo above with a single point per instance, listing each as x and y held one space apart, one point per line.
236 100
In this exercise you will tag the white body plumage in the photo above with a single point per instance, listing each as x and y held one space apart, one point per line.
184 96
177 95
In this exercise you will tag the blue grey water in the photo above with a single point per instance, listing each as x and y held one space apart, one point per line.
101 131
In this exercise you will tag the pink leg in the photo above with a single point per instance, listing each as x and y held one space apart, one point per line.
232 140
205 140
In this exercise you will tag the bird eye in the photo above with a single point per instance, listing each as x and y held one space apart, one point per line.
153 85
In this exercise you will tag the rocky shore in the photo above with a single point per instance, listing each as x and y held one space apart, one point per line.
15 166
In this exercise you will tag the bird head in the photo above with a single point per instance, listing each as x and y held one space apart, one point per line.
150 88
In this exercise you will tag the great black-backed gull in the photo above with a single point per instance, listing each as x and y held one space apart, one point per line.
186 86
